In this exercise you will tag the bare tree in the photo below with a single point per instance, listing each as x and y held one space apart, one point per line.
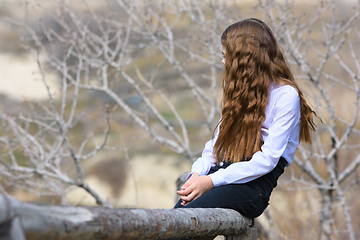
313 56
124 51
96 52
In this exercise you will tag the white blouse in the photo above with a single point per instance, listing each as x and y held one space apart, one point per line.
280 132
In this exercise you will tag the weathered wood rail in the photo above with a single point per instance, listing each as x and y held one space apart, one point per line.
21 220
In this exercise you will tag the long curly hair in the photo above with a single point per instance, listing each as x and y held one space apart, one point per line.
252 58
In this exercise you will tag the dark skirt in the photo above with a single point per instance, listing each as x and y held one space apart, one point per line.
250 199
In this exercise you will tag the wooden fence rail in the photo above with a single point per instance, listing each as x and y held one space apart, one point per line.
21 220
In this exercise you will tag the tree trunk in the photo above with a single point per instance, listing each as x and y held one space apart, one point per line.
327 217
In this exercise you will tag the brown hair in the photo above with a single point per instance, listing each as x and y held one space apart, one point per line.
252 59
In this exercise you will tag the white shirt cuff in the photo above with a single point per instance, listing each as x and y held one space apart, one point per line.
217 178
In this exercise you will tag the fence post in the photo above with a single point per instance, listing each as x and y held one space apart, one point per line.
20 220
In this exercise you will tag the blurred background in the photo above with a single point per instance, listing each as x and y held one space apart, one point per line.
109 102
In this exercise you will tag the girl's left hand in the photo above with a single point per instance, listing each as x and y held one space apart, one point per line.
194 189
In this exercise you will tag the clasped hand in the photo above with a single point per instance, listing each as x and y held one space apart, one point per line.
194 187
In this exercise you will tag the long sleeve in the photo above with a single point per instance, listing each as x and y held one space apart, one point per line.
280 133
203 164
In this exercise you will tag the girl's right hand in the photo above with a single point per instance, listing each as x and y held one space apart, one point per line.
191 179
181 192
194 187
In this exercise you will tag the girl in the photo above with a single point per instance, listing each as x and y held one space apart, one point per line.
264 116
